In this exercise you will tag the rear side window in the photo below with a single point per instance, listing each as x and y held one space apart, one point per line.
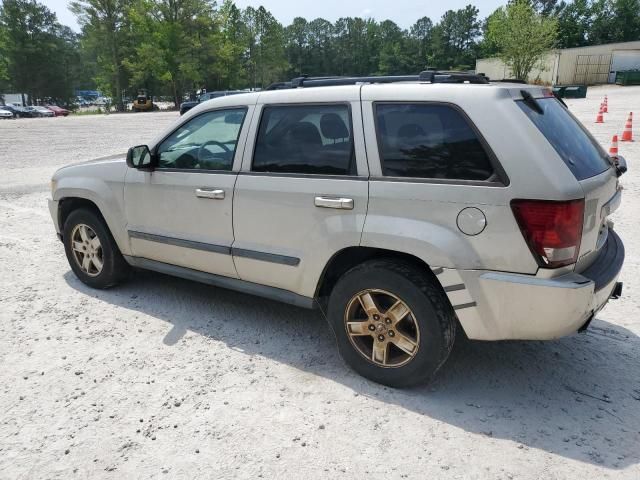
577 148
431 141
314 139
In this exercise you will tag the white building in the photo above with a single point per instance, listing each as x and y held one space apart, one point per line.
19 99
574 66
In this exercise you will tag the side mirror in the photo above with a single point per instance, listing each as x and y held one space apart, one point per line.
139 157
620 164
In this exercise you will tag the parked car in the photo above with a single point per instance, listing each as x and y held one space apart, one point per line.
396 204
39 111
18 112
5 114
203 97
58 111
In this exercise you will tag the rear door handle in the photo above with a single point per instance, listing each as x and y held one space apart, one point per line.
334 202
213 193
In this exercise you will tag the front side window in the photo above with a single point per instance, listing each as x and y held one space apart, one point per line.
312 139
206 142
431 141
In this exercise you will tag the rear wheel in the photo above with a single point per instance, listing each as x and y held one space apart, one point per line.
91 250
393 323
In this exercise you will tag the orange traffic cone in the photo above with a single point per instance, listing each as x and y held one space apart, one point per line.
627 134
600 117
613 150
604 108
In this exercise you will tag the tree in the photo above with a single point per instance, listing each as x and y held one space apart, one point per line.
454 39
38 53
297 45
4 63
418 42
392 56
264 47
544 7
522 36
625 26
229 62
105 26
172 44
321 47
574 23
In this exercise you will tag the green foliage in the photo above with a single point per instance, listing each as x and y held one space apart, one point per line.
177 47
105 30
38 55
4 59
263 40
593 22
522 36
171 41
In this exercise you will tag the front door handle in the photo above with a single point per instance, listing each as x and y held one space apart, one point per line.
334 202
213 193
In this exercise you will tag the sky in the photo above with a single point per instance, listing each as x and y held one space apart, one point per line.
403 12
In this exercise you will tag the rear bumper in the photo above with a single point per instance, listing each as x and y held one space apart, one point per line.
513 306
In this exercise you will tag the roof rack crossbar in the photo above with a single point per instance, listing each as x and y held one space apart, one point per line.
427 76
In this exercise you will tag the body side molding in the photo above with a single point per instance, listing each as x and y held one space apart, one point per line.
272 293
209 247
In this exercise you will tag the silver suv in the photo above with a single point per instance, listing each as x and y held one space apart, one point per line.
404 207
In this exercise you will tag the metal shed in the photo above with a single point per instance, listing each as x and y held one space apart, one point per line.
591 65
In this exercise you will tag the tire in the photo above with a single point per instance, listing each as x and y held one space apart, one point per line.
430 323
113 269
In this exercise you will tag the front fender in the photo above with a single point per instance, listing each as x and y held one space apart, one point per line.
107 196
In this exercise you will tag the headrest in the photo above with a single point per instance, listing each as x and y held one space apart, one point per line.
410 130
306 132
333 126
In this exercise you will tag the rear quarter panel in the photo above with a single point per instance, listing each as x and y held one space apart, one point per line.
419 216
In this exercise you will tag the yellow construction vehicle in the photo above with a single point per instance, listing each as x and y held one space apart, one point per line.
144 102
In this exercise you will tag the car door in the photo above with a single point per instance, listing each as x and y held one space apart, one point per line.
181 212
302 193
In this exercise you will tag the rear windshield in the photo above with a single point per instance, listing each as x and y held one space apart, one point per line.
579 150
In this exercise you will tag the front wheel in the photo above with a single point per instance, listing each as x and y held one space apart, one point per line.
91 250
392 322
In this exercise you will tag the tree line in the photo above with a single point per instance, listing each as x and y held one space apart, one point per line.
172 47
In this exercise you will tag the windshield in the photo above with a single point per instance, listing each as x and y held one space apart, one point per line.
575 145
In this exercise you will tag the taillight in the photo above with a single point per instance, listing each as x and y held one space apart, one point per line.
553 230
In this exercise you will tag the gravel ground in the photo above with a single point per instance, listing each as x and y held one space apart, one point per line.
164 378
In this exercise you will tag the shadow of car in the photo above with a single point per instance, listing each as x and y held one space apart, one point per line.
577 397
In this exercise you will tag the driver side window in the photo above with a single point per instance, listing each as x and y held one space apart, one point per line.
206 142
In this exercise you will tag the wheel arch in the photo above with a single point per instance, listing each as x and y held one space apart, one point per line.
349 257
67 205
75 200
448 280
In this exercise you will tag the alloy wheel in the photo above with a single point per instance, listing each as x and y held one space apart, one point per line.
87 250
382 328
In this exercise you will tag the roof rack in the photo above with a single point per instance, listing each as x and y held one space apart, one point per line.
511 80
426 76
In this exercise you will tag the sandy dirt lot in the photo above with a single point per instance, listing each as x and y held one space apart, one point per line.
164 378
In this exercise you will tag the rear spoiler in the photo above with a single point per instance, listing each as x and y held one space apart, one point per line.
518 92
